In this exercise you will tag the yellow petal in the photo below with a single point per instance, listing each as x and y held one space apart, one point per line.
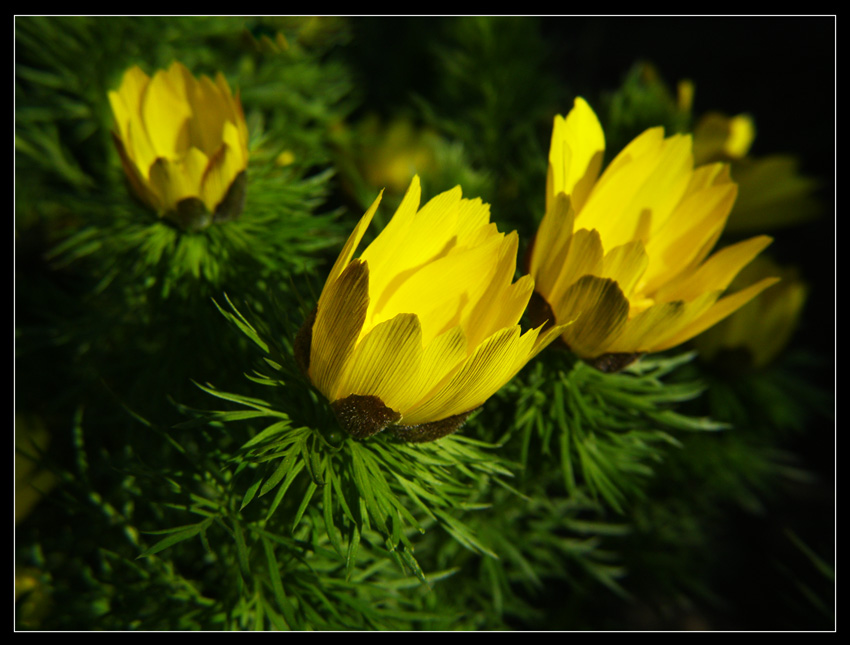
638 334
551 240
545 338
233 102
126 101
490 366
138 182
210 111
625 264
223 167
391 243
717 312
582 257
165 113
168 181
719 136
647 143
388 357
430 232
599 311
339 317
394 233
742 131
697 223
425 290
473 221
654 180
717 272
126 105
442 356
496 302
575 153
351 245
502 305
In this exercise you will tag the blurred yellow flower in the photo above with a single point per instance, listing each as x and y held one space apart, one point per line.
721 138
771 191
624 254
422 328
393 154
33 600
183 143
285 158
762 328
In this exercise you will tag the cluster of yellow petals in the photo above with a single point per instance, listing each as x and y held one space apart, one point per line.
426 318
179 137
625 254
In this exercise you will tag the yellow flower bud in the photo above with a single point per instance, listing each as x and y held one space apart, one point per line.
183 143
422 328
625 254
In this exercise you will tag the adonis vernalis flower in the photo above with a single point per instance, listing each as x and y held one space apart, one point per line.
422 328
624 254
183 143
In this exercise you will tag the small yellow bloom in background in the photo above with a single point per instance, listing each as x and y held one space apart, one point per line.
771 191
400 151
422 328
183 143
721 138
761 329
625 254
685 91
285 158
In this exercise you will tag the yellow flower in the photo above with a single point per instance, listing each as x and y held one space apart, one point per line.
421 328
399 152
183 143
624 254
721 138
771 191
762 328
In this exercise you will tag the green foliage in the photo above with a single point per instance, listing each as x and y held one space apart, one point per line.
490 70
127 245
609 429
